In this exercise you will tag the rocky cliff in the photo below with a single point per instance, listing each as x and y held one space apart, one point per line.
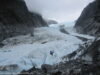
89 21
38 20
15 19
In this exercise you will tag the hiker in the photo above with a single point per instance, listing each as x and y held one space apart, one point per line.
52 52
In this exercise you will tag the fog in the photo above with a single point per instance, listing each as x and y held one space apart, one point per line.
59 10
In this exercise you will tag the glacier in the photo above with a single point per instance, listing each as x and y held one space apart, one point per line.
25 51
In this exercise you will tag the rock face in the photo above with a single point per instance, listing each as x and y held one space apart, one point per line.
89 21
15 19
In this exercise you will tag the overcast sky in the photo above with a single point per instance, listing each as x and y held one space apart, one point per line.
60 10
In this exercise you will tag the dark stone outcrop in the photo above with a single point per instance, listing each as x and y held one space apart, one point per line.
15 19
89 21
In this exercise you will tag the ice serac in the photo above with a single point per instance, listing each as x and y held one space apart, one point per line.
89 21
15 19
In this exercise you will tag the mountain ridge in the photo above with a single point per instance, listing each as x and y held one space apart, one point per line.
89 20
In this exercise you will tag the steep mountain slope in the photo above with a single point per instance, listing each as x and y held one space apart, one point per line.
89 21
15 19
38 20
